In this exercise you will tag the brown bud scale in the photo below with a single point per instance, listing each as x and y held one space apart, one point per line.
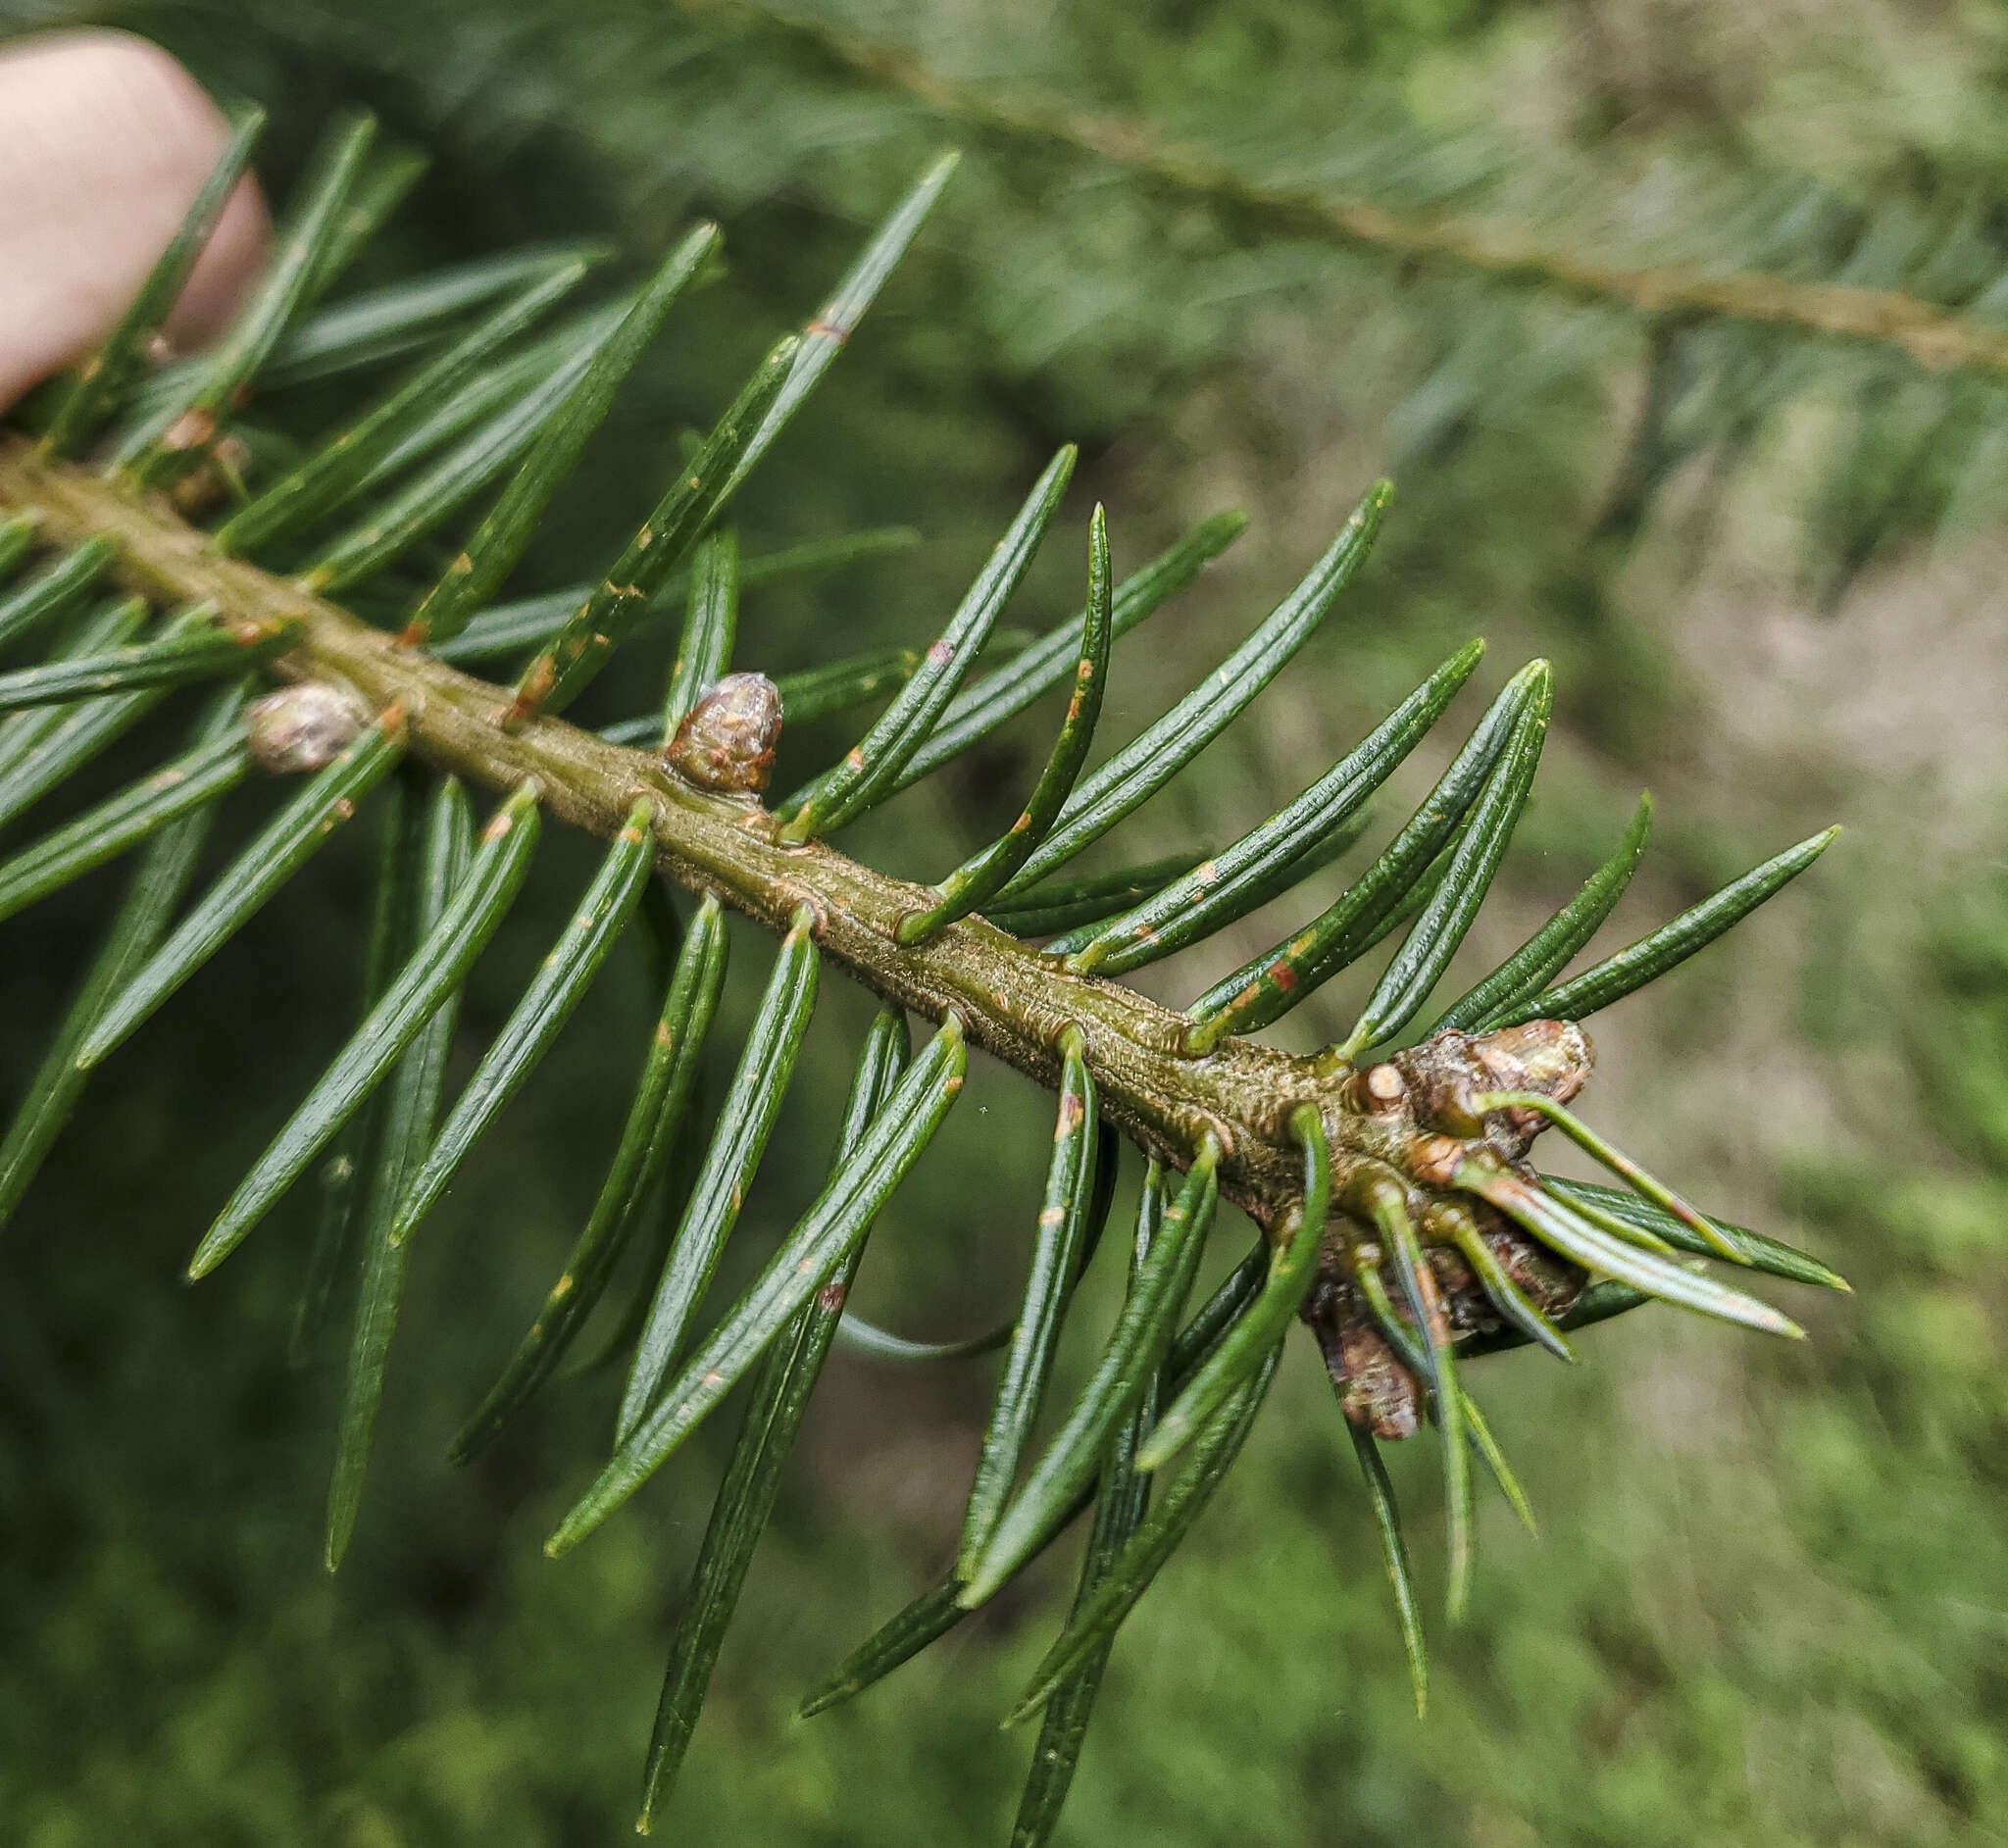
1426 1096
303 727
727 740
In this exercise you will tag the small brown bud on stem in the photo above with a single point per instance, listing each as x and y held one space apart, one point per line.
303 727
727 740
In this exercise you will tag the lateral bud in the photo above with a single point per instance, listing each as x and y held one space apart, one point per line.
303 727
727 740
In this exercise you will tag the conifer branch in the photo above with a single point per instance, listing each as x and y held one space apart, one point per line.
1016 1003
1932 336
1399 1215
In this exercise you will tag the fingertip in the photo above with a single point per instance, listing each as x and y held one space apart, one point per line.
109 139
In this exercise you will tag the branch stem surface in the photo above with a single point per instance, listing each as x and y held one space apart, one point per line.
1015 1003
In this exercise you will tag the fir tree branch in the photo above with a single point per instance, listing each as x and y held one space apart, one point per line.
1934 338
1015 1003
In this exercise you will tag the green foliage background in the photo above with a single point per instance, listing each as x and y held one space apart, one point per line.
1768 1604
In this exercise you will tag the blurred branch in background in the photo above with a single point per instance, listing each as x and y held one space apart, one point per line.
1678 294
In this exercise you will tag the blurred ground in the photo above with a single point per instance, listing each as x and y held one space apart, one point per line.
1766 1605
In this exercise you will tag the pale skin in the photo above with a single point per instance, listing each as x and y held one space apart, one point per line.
107 141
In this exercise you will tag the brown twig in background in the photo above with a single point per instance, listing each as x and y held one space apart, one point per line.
1932 336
